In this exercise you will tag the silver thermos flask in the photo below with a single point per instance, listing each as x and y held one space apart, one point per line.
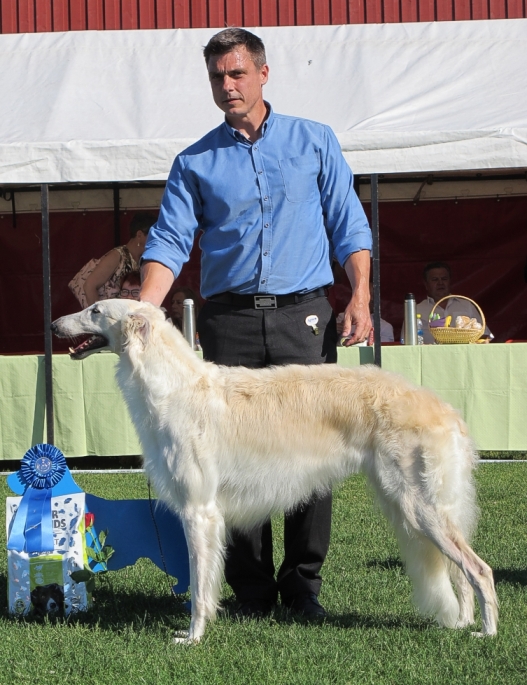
189 323
410 320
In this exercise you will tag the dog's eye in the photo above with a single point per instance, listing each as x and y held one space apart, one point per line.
96 310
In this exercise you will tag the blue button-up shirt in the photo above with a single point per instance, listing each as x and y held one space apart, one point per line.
271 213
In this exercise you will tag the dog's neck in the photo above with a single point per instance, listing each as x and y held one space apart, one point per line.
163 364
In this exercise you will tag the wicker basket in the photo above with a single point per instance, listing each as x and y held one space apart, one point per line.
456 336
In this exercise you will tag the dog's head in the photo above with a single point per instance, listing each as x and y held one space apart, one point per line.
108 325
47 599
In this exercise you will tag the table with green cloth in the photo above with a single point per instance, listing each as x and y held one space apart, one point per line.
486 383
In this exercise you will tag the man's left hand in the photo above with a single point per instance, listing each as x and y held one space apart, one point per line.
357 313
356 318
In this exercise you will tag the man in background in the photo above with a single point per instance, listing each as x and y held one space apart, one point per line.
436 278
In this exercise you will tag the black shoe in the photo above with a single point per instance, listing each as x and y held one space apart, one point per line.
255 608
305 604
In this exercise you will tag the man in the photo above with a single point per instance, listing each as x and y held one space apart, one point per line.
274 200
436 277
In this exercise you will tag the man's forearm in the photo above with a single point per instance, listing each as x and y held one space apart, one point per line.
358 271
156 281
357 312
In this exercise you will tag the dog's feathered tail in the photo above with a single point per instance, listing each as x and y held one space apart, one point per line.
428 494
428 570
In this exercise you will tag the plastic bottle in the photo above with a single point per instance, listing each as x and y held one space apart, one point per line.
420 333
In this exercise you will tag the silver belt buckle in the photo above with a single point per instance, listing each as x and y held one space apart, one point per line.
265 301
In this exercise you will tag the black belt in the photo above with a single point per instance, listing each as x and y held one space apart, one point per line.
263 301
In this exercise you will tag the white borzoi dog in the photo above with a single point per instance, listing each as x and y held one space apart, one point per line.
228 447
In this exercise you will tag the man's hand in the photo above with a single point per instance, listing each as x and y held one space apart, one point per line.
357 313
156 281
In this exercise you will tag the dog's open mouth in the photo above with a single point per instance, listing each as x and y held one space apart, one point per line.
85 348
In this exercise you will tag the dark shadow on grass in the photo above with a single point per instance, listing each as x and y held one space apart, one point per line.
119 602
386 565
284 616
511 576
353 620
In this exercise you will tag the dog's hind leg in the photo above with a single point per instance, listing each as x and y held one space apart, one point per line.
452 544
465 595
480 577
205 534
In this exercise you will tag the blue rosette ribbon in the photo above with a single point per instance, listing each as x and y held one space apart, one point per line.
42 467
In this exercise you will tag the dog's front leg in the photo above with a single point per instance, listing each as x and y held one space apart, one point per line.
205 533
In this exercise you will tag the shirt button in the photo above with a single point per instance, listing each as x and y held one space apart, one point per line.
266 225
256 147
266 198
266 254
263 281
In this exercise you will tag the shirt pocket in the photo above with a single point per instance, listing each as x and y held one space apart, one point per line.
300 175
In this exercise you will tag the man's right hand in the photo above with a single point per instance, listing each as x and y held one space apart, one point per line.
156 281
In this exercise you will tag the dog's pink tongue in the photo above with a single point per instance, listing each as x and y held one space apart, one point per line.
94 342
82 346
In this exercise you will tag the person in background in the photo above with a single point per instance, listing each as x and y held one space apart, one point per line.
179 295
104 281
273 197
131 286
436 278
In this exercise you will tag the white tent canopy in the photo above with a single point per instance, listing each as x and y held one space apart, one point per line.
119 105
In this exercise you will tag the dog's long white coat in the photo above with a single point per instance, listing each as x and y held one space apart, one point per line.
230 446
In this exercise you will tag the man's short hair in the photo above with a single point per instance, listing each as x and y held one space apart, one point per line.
436 265
228 39
142 221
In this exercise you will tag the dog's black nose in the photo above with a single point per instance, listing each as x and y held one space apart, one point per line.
53 327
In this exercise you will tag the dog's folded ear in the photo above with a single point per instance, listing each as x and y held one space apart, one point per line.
136 325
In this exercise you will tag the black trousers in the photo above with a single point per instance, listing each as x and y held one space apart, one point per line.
235 336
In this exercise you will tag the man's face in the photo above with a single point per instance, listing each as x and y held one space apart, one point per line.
236 82
437 284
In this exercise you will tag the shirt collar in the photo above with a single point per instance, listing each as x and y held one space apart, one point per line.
265 127
431 300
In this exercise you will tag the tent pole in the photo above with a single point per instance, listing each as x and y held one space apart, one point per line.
116 219
48 343
376 270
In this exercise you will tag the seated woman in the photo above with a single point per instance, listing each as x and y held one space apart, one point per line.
103 282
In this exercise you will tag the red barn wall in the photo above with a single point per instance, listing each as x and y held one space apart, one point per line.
29 16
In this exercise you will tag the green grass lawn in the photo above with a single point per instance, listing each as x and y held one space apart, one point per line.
372 634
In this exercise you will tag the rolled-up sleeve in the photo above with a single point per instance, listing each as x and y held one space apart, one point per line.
170 240
346 223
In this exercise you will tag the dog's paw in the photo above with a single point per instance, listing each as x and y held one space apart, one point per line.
476 634
182 637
